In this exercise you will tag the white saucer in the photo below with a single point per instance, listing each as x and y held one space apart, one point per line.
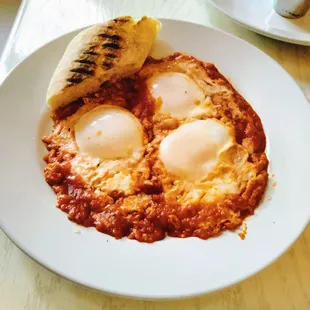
259 16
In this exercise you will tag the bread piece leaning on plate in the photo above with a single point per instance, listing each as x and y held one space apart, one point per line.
109 51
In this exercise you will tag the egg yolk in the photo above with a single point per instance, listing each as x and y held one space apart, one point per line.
192 150
108 132
177 95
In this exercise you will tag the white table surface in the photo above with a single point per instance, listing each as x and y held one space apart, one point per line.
26 285
8 9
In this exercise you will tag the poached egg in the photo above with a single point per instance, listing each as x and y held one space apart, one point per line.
108 132
178 95
192 151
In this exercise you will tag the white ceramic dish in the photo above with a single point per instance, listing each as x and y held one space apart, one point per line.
173 267
259 16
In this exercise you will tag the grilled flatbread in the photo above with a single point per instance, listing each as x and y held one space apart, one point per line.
109 51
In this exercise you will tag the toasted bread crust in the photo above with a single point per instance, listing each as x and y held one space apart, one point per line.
108 51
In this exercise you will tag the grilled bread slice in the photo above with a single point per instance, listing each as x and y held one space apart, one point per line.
109 51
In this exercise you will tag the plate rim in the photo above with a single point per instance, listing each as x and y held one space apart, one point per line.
143 296
260 31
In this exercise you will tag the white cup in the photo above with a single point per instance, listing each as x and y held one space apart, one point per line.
291 8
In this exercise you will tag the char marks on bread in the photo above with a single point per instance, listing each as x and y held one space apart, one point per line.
103 52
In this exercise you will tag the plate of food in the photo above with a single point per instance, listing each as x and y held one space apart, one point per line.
153 159
261 17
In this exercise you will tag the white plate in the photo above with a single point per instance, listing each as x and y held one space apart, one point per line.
172 267
259 16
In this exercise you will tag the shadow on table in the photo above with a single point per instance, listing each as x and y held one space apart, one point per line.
8 11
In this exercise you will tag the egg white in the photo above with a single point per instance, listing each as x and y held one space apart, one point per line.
178 95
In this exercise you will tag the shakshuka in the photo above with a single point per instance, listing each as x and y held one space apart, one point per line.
172 150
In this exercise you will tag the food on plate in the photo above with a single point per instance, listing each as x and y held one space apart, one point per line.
103 52
170 149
